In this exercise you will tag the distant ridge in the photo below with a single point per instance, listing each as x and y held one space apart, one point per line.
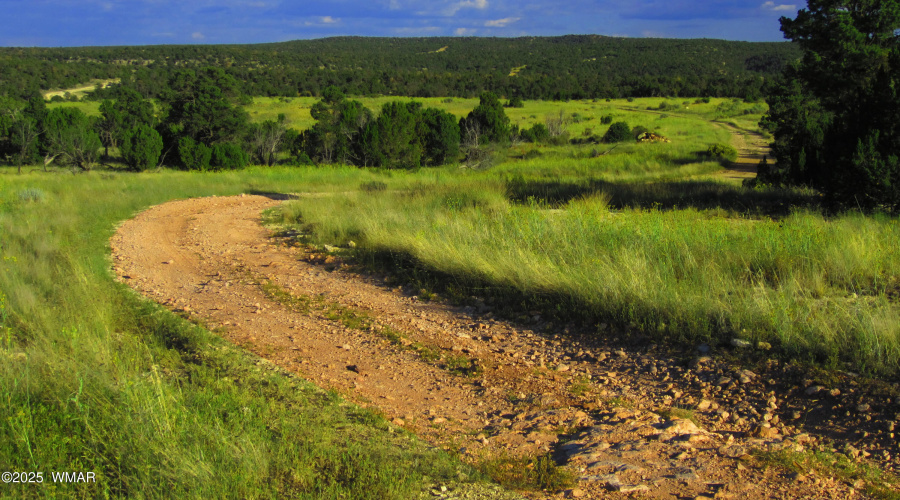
561 67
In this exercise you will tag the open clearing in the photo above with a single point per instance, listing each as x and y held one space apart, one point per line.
464 380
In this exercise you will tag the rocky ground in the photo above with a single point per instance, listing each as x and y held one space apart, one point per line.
623 417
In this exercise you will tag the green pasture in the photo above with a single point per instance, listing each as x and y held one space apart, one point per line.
584 115
641 237
95 378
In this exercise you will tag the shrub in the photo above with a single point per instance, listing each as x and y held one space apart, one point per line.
618 132
537 133
193 155
228 156
141 148
31 194
373 186
639 131
515 102
301 158
606 120
441 136
722 152
488 120
559 140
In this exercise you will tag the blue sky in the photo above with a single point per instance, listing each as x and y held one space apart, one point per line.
145 22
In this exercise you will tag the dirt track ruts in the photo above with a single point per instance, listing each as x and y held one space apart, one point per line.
210 257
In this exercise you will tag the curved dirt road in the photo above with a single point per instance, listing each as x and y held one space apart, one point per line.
456 376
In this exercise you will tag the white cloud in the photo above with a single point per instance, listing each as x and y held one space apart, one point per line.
424 30
778 8
463 31
323 21
466 4
197 35
501 23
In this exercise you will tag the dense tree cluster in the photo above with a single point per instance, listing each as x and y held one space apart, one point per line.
836 116
547 67
403 135
198 124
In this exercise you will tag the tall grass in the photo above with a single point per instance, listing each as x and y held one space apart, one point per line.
95 379
818 288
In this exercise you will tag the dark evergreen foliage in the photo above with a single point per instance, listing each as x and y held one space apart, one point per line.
568 67
441 134
141 147
537 133
69 136
394 139
488 120
228 156
618 132
193 155
836 116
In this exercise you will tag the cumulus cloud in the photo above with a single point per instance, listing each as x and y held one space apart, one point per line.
197 35
329 20
464 31
501 23
466 4
778 8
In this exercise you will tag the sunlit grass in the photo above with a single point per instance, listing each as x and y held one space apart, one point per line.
95 379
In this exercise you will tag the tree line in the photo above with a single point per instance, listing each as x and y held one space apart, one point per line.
569 67
198 124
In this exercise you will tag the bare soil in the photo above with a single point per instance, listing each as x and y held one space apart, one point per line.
751 146
479 386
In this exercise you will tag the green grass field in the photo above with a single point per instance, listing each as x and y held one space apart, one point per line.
95 379
645 238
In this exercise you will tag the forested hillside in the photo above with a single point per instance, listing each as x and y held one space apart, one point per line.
565 67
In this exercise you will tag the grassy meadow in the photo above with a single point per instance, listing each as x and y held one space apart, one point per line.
644 238
96 379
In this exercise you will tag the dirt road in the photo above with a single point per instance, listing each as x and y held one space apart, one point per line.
461 378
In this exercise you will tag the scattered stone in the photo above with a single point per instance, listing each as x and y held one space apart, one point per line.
763 346
723 380
574 493
863 407
703 348
747 376
740 343
686 475
764 431
704 405
732 451
631 488
681 426
813 390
